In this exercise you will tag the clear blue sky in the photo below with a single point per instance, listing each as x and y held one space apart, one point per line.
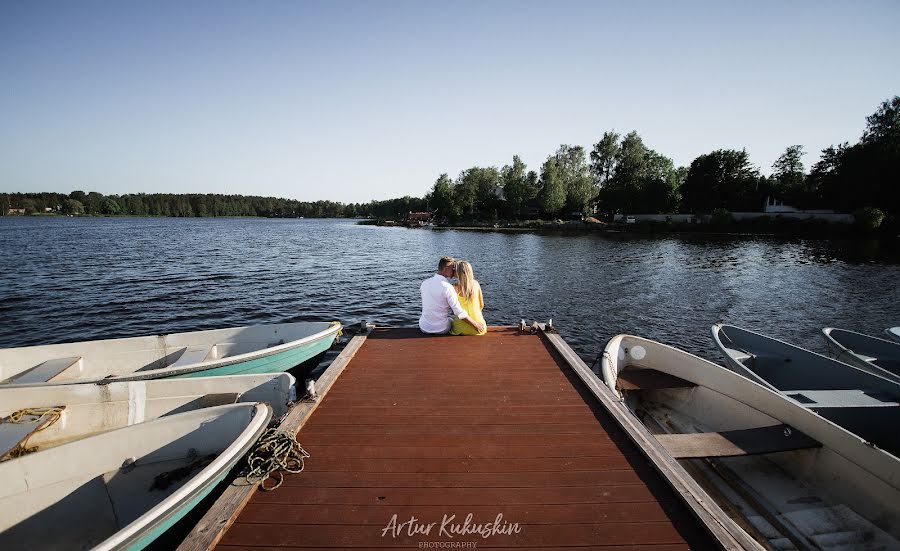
354 101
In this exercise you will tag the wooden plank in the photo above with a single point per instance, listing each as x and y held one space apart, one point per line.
374 515
386 496
726 532
545 479
649 379
210 529
775 438
350 536
340 463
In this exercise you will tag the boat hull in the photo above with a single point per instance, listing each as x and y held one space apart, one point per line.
878 356
864 403
830 487
893 332
88 409
241 350
147 478
272 363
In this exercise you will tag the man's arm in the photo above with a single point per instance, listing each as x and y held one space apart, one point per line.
453 301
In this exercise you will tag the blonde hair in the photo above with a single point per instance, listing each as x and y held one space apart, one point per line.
466 279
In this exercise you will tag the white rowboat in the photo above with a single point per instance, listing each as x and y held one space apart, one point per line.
878 356
790 478
50 415
234 351
123 488
893 332
863 403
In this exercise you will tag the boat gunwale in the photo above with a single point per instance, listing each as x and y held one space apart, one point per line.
833 438
697 501
730 360
863 364
230 360
865 452
220 466
893 333
166 372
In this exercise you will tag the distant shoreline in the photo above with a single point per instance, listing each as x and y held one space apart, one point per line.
814 229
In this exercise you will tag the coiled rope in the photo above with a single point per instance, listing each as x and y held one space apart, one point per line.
52 415
276 452
20 416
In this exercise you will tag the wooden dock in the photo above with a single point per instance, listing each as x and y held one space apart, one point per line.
510 429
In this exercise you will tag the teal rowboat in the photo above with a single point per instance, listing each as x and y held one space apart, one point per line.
233 351
123 488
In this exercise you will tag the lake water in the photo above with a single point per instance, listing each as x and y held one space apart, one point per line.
71 279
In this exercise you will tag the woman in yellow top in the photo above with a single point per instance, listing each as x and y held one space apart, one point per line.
470 298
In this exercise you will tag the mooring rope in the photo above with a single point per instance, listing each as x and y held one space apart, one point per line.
275 452
21 416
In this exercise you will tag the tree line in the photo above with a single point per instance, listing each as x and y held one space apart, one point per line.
619 174
198 205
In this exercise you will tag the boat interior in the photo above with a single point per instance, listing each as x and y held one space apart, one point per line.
880 352
116 357
96 496
50 416
784 487
771 478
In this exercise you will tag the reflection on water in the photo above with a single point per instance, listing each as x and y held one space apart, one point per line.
69 279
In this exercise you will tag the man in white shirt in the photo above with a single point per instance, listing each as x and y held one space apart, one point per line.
439 298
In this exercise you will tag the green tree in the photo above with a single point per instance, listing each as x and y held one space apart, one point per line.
518 186
92 203
552 195
788 172
109 206
623 190
72 206
29 205
603 158
660 184
721 179
823 180
465 192
883 126
442 197
575 174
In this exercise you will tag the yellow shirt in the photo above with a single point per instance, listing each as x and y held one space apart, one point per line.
472 307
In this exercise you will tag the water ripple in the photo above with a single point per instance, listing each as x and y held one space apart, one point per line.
71 279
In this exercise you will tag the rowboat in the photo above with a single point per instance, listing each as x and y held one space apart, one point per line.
788 477
239 350
39 417
122 489
893 332
863 403
878 356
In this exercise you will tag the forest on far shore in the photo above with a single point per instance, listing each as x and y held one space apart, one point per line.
619 174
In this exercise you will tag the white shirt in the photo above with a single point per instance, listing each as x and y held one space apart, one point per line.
438 298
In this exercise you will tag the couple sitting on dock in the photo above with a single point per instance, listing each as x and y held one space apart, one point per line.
463 299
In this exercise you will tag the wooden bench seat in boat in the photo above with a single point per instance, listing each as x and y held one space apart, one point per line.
842 398
771 439
649 379
43 372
